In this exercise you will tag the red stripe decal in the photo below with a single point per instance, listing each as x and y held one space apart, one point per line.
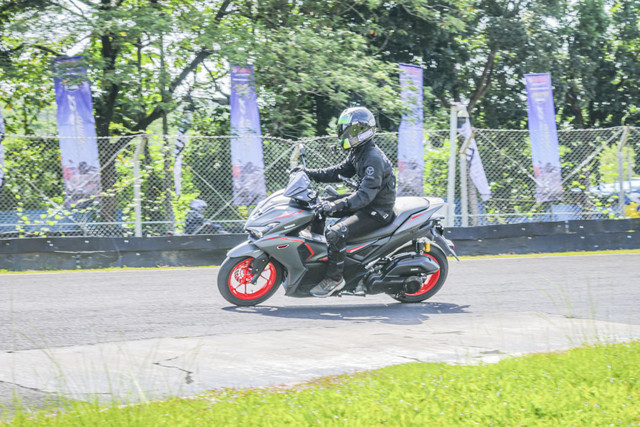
286 238
416 216
295 240
310 250
358 247
288 215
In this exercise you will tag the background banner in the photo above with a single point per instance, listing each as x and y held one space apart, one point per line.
76 126
411 133
544 137
246 142
181 142
1 150
476 169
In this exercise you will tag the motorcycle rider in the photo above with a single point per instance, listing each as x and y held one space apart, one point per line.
370 207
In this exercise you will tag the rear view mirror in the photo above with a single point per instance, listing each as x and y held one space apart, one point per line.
331 192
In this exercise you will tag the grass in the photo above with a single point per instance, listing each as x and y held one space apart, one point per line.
587 386
547 254
164 267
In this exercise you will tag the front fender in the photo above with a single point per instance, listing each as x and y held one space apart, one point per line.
245 249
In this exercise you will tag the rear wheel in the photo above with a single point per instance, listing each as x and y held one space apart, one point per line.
432 283
234 281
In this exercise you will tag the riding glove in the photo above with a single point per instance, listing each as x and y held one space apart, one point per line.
329 208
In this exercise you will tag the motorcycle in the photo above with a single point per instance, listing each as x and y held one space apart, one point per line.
406 259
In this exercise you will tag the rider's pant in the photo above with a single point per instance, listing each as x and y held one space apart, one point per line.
337 235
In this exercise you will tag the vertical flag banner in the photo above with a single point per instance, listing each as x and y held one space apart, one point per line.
76 127
1 151
544 137
476 169
411 133
247 161
181 142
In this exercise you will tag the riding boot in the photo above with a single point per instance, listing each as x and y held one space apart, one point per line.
333 281
335 263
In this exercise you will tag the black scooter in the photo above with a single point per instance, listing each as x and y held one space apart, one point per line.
406 259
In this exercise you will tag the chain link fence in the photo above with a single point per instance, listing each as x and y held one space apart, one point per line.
593 164
136 193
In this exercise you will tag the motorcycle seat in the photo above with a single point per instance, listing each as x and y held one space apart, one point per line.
403 209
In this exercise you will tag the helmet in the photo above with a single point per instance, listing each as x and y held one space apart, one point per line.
356 126
198 204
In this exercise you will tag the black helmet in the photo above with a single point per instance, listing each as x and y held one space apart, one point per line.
356 126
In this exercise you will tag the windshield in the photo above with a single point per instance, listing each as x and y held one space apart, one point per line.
299 187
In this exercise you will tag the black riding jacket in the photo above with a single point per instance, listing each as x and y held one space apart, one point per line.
377 189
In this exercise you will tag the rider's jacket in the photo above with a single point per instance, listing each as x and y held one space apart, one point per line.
376 192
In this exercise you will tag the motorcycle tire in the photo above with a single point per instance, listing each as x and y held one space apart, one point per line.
234 281
432 283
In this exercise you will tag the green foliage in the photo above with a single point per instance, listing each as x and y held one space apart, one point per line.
608 160
35 173
586 386
316 58
435 167
313 59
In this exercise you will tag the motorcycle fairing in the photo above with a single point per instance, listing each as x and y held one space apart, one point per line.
409 212
245 249
284 249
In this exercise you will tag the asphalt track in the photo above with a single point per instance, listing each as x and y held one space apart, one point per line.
144 334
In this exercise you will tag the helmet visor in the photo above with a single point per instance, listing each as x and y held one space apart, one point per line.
343 135
342 128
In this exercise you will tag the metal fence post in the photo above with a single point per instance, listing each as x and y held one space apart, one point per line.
137 199
623 141
451 179
464 209
629 168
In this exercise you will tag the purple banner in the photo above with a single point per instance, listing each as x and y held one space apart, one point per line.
246 142
76 127
544 137
411 133
1 150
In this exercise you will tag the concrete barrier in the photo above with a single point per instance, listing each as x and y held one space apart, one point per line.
101 252
578 235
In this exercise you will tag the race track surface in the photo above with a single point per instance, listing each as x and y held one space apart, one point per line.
145 334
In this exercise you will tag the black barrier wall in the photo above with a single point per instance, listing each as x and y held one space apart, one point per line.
64 253
547 237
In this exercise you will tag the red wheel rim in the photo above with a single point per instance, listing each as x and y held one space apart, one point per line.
429 282
240 281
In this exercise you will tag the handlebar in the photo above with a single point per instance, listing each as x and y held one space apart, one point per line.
331 191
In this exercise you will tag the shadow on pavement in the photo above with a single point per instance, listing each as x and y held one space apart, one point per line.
401 314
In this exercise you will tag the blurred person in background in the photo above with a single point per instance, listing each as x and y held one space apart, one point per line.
195 217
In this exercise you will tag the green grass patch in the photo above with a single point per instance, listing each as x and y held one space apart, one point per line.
586 387
548 254
84 270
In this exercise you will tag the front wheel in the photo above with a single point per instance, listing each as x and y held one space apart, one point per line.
432 283
234 281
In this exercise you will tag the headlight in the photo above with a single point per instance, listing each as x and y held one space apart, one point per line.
255 232
258 232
